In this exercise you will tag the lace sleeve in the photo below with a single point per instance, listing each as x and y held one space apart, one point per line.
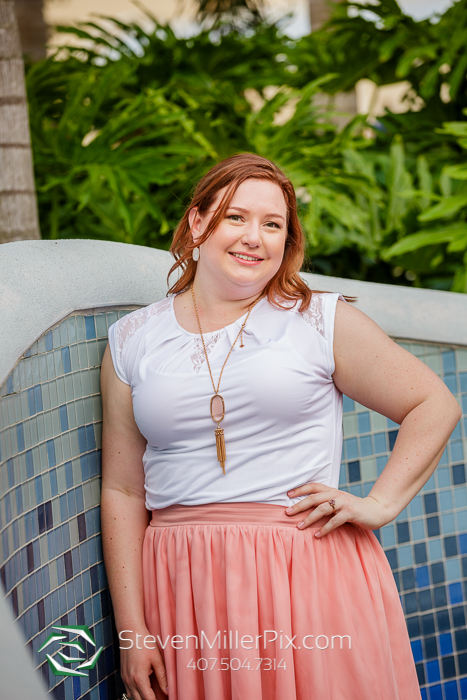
122 330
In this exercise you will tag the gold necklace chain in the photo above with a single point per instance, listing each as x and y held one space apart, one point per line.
217 398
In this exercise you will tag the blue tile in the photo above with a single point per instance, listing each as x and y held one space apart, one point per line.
448 523
415 506
451 382
430 502
457 451
449 361
435 691
90 437
445 644
364 422
31 402
450 690
351 448
455 593
38 398
418 529
425 601
63 418
443 475
51 453
403 533
49 343
437 572
348 404
463 543
433 672
445 500
392 435
458 474
354 471
423 578
450 546
432 525
9 384
440 596
66 359
90 327
29 464
366 448
381 443
11 473
420 553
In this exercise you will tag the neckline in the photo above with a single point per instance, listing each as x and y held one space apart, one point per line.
209 333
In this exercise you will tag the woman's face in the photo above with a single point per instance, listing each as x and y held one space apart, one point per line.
246 249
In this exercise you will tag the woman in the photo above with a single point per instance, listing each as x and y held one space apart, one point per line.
236 567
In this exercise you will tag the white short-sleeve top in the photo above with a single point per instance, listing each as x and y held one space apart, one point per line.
283 412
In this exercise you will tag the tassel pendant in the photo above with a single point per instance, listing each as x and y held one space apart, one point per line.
217 414
220 444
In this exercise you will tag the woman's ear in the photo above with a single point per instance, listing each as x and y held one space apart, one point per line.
194 219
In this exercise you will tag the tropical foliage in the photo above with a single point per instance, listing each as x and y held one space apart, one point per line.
123 127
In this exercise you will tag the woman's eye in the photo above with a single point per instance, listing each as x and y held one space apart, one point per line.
234 216
273 223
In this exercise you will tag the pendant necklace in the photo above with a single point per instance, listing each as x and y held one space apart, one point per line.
217 401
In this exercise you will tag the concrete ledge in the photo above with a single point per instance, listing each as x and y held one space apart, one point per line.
42 282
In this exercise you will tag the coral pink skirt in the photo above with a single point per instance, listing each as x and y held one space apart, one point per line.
245 606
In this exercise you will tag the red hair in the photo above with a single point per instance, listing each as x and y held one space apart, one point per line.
286 284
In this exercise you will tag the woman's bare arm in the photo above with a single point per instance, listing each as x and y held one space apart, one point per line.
376 372
124 519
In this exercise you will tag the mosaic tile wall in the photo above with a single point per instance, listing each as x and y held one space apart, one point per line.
51 563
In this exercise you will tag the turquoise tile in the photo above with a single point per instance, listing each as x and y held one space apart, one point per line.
443 476
445 500
64 340
77 386
461 517
83 355
448 525
80 331
435 549
460 496
405 556
56 337
101 325
452 569
71 322
418 529
74 358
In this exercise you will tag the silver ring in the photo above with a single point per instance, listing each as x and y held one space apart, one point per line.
126 697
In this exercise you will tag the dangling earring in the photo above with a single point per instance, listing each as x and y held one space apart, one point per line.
195 254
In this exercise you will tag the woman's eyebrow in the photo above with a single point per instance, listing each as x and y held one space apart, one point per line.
246 211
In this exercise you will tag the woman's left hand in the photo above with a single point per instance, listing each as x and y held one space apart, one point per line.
366 513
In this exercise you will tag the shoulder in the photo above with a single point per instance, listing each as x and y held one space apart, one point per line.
321 310
126 327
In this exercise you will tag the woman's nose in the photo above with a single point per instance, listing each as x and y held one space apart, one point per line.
252 234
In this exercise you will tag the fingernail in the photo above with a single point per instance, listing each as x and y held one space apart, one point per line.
317 534
291 493
301 524
288 510
167 689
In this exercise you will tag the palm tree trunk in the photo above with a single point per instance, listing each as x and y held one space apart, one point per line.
18 204
32 28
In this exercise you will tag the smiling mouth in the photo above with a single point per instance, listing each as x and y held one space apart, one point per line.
246 257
